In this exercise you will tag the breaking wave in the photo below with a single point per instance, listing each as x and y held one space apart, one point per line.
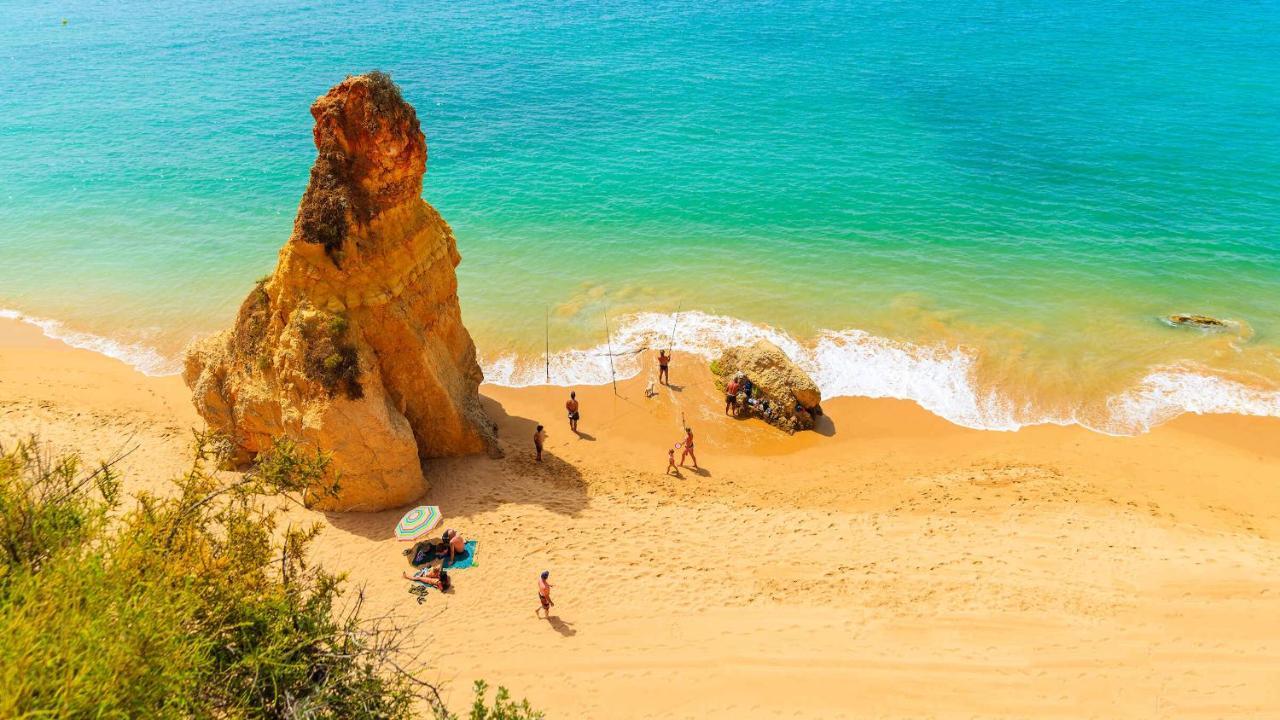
143 358
844 363
854 363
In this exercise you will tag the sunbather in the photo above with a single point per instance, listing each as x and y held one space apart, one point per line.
426 576
455 543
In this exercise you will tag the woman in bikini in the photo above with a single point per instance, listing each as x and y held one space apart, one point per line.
688 449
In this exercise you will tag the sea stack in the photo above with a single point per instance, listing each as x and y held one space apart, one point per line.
355 344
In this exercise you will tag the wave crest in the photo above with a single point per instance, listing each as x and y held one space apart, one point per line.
855 363
143 358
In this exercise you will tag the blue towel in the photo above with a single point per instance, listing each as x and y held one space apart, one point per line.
461 561
464 559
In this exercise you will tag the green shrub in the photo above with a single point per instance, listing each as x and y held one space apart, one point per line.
330 358
186 604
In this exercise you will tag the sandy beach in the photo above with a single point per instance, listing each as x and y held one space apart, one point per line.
888 565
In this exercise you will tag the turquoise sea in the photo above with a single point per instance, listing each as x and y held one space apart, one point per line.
983 206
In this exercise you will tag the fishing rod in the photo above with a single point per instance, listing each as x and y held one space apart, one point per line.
675 322
547 352
609 340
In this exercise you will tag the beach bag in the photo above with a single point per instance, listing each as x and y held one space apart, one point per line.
421 554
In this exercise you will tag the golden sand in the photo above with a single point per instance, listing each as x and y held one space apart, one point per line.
890 565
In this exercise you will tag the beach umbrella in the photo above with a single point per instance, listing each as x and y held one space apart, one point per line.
418 522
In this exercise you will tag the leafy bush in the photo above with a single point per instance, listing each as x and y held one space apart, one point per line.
330 357
186 604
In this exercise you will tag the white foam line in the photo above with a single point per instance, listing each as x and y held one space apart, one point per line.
145 359
844 363
854 363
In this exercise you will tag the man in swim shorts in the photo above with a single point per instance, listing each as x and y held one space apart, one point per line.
544 594
572 406
664 360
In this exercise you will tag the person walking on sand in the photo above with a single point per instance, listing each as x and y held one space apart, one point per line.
572 406
544 595
664 362
688 448
539 437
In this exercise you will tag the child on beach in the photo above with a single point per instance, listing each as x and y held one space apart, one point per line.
544 594
539 437
671 463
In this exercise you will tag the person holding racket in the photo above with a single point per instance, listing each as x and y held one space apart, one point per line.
687 444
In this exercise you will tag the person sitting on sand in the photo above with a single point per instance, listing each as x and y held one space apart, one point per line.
664 361
454 544
539 437
688 449
747 386
544 594
426 576
572 406
731 397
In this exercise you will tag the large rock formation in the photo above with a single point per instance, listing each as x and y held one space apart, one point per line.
778 384
355 344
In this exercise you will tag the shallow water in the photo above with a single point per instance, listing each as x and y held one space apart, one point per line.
981 207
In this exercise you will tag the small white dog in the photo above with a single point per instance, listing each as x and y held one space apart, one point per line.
649 391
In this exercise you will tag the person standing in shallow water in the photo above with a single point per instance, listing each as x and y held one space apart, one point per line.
572 406
539 437
664 361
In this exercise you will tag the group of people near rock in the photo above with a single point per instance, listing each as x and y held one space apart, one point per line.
741 395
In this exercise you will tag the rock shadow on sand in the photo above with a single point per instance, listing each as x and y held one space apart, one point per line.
464 486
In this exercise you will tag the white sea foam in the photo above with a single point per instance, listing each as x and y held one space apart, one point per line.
854 363
1168 392
844 363
145 359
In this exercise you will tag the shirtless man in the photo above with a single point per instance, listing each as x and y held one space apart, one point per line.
664 361
688 449
572 406
731 397
544 594
456 543
539 437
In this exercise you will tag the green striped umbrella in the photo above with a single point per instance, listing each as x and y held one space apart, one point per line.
418 522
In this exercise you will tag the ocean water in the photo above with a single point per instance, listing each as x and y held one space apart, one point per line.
984 207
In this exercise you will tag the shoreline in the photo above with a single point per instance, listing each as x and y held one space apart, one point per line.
849 364
1010 573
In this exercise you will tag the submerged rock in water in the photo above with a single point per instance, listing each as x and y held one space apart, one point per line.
355 344
1200 321
776 379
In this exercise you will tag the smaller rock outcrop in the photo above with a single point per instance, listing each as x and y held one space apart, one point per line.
780 391
1204 322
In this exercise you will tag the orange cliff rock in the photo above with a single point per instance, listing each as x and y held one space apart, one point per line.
355 344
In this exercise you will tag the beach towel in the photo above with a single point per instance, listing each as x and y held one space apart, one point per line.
461 561
464 559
